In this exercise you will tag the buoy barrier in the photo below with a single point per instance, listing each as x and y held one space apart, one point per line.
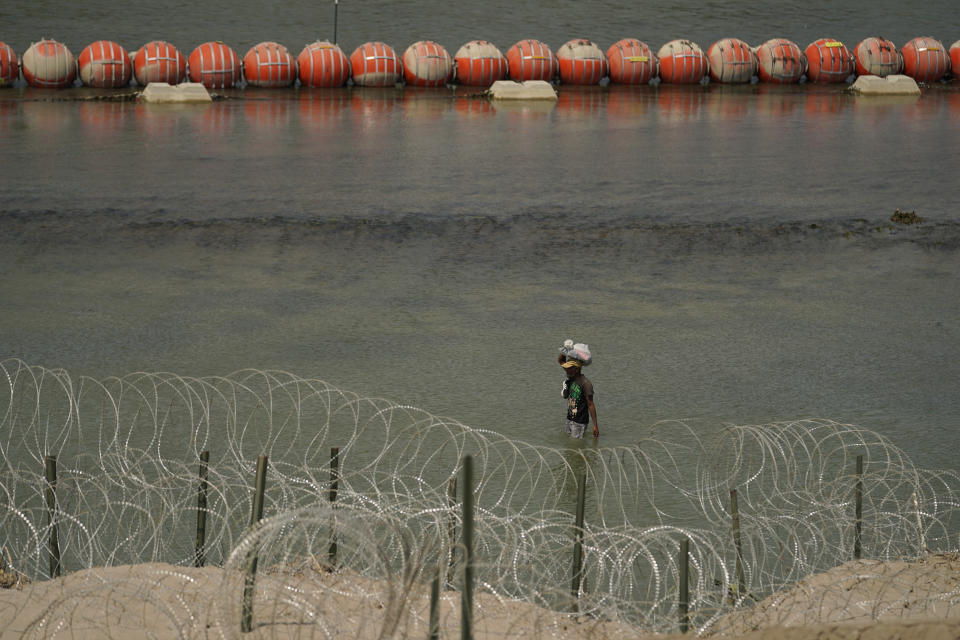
780 61
214 65
269 65
323 64
159 61
531 60
682 62
48 64
876 56
582 62
104 64
9 65
375 64
479 63
427 64
828 60
631 62
925 59
731 61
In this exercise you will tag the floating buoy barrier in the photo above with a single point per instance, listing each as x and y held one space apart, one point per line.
48 64
323 64
427 64
269 65
159 61
215 66
828 60
375 64
104 64
631 62
780 61
9 65
479 63
925 59
531 60
731 61
876 56
581 62
682 62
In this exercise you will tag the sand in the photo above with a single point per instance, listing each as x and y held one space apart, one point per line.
160 601
861 600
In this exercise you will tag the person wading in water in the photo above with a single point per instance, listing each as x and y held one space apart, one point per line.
578 392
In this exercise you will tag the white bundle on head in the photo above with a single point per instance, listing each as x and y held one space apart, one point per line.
577 351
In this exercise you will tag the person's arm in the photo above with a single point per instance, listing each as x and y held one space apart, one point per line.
593 416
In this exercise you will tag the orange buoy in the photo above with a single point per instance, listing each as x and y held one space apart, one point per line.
780 61
631 62
270 65
925 59
877 57
159 61
323 64
581 62
731 61
9 65
682 62
479 64
104 64
375 64
427 64
215 65
828 60
955 57
531 60
49 64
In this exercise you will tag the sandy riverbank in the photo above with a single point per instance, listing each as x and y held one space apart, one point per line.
859 600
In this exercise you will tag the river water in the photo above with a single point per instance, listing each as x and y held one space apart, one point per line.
727 252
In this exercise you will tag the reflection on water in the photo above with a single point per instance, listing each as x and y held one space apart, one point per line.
267 109
650 151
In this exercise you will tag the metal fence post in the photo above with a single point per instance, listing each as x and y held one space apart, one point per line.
858 511
466 596
683 603
246 623
50 472
334 487
578 538
200 556
738 547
